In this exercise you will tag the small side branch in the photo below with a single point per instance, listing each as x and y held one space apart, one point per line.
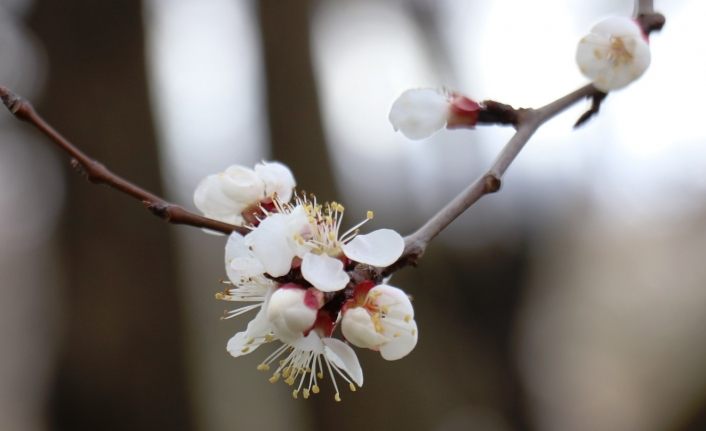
97 173
527 122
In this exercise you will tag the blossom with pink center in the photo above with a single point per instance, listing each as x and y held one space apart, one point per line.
380 318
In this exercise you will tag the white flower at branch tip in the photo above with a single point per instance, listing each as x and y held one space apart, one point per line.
380 318
419 113
226 195
614 54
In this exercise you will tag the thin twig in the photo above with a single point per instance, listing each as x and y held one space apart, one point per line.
97 173
527 122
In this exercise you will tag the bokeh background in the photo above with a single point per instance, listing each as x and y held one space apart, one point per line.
575 299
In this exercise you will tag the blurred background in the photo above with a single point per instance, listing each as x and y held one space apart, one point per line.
575 299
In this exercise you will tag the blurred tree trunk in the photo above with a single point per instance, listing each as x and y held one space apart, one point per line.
293 106
121 362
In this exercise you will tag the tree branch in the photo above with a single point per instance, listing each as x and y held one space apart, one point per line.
97 173
526 122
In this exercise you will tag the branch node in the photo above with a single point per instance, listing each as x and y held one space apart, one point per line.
160 209
596 99
12 101
491 183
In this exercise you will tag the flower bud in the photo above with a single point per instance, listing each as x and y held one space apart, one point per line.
292 310
383 320
614 54
419 113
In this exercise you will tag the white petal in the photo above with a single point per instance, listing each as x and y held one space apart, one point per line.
278 179
310 343
213 203
402 342
394 299
241 263
243 343
378 248
297 226
242 185
617 26
237 345
345 358
358 328
419 113
324 272
270 245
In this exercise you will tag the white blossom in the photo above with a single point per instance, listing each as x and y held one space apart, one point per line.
382 319
614 54
226 195
310 232
419 113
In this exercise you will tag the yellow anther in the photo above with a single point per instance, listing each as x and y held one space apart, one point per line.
290 380
250 340
295 393
370 215
269 338
407 318
245 349
286 371
337 397
306 393
320 375
220 295
351 386
315 389
263 367
340 208
274 378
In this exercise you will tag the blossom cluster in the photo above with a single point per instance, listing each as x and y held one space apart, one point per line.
294 268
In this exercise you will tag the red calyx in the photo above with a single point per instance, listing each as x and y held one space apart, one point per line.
464 112
360 293
324 324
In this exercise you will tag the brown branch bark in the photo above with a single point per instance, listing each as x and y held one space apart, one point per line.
97 173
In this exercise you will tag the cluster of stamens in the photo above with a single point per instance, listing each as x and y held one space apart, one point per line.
297 365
